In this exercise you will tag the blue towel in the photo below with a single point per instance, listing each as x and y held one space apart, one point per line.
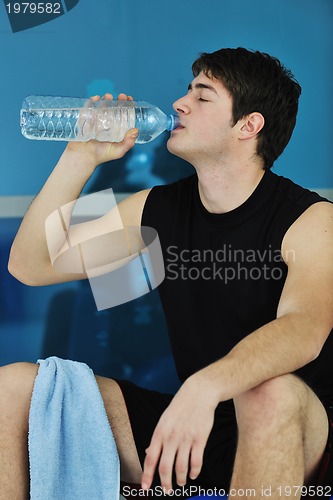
72 450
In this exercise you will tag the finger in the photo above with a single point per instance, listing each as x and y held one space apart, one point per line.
152 457
182 464
95 98
129 98
122 97
196 459
165 467
107 96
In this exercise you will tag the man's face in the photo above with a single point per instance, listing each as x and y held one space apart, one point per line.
206 131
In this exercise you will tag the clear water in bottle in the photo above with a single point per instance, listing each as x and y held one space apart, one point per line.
80 119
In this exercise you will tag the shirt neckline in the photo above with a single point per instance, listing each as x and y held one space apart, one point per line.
261 194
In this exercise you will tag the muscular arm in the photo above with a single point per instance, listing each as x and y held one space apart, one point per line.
304 321
305 312
29 259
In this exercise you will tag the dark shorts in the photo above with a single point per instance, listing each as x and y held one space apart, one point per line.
145 408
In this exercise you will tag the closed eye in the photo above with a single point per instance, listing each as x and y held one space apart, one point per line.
203 100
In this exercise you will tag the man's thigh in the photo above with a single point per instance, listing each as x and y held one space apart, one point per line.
317 429
280 399
317 436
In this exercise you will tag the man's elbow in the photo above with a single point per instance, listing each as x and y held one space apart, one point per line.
320 334
18 268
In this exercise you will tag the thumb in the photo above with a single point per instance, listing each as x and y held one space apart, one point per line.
130 137
119 149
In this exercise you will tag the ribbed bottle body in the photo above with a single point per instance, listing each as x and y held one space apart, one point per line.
80 119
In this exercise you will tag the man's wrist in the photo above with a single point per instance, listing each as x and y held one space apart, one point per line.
76 158
205 381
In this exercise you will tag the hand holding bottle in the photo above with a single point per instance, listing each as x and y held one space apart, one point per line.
100 152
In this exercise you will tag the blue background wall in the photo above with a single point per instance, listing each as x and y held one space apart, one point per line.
144 48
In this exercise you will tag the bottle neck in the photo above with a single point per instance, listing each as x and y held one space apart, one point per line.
173 122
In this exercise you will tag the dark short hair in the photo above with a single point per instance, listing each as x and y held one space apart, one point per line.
257 82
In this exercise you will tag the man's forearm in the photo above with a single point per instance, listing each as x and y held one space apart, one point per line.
279 347
29 259
29 254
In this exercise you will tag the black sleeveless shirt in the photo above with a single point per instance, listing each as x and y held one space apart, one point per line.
224 272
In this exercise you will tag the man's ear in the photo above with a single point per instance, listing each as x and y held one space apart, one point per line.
251 125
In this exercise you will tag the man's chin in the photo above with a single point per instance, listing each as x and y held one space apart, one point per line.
177 151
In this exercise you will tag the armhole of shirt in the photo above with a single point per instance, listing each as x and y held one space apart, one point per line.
301 211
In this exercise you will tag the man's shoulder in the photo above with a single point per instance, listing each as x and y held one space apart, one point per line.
316 215
165 202
295 193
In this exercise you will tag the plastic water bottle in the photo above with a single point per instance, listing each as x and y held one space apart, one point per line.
80 119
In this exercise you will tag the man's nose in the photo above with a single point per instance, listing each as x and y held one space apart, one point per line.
181 106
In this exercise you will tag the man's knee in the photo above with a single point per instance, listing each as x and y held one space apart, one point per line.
276 400
16 385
